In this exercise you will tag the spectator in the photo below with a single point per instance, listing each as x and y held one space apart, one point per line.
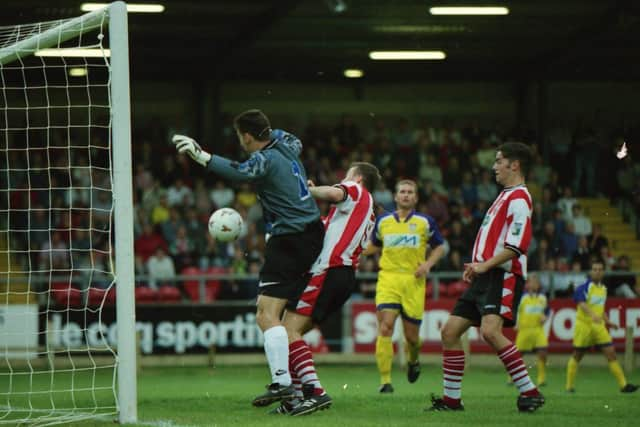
548 204
534 187
222 196
487 188
469 190
140 268
453 262
179 194
201 198
581 223
541 171
430 170
147 243
143 180
565 203
182 248
607 258
569 242
597 240
437 208
582 255
246 197
383 196
621 284
554 239
160 212
459 239
161 269
452 174
54 254
538 259
196 229
572 279
170 227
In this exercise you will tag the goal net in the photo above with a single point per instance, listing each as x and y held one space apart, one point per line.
64 156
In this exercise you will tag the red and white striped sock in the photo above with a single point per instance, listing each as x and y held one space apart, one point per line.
452 370
301 361
512 360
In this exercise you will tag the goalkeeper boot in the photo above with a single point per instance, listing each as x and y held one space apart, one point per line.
275 393
530 403
312 404
629 388
413 371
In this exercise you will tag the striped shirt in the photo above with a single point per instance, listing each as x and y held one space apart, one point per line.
348 227
507 224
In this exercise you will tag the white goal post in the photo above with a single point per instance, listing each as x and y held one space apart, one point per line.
37 147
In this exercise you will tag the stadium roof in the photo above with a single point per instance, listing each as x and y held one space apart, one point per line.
315 40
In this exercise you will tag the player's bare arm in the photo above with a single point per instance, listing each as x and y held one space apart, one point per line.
434 256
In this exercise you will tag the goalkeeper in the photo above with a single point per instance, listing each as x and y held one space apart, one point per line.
293 226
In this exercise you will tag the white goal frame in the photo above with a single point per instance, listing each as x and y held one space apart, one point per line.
122 180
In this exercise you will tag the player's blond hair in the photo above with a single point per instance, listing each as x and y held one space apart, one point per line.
406 182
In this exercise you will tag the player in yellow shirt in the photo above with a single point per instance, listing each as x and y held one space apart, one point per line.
532 313
403 236
591 329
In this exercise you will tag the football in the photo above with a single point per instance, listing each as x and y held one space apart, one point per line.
225 224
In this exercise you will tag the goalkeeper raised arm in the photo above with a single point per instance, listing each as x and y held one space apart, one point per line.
293 223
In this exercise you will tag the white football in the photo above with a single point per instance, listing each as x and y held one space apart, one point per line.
225 224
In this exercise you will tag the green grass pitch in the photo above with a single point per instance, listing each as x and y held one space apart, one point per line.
221 396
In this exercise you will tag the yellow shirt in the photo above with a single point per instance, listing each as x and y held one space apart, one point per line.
404 242
533 307
594 295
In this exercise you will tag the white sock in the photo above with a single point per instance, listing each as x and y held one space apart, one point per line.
276 347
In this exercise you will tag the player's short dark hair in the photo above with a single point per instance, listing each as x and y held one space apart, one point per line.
369 173
518 151
255 123
597 260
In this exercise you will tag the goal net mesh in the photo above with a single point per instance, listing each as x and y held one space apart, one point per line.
58 362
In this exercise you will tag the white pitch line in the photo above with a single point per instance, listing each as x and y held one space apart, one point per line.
163 423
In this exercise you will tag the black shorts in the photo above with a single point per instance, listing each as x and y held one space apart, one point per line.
494 292
325 293
287 260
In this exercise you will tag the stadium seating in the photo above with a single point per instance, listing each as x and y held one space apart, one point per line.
96 296
65 295
145 295
456 289
168 293
212 287
442 290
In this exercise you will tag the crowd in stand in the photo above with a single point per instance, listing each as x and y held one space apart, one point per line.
450 162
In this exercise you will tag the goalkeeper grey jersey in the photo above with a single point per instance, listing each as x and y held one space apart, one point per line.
280 182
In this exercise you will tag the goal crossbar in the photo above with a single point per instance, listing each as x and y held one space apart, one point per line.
66 30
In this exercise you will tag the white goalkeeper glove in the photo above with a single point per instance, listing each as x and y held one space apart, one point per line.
189 146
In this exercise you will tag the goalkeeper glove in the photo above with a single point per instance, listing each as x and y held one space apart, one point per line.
187 145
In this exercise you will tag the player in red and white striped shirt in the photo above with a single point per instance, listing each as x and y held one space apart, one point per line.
348 227
497 273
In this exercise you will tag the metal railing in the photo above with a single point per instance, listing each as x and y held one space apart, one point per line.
553 283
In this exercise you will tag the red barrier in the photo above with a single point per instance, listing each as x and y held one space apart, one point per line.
559 326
